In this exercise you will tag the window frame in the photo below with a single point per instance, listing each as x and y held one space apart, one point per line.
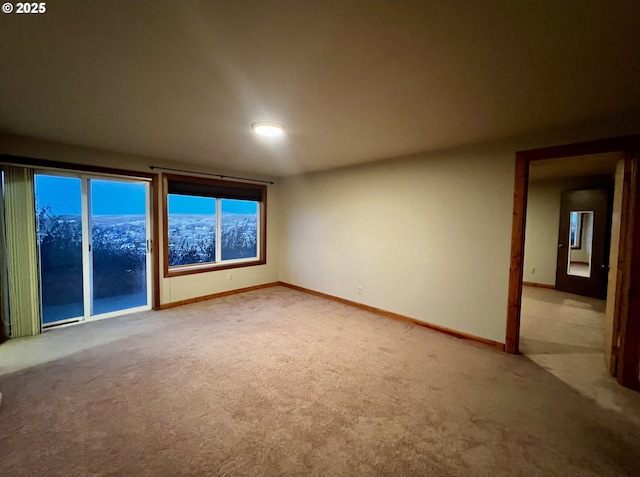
180 270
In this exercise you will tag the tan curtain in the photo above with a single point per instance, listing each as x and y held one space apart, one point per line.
21 252
4 284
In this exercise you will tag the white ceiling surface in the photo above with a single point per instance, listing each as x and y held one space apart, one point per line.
352 81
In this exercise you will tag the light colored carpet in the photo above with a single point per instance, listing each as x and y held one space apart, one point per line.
278 382
564 333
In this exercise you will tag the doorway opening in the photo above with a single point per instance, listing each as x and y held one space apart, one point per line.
566 266
620 315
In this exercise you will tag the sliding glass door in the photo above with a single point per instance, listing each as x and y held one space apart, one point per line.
93 236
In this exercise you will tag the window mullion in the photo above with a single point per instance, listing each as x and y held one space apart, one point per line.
87 248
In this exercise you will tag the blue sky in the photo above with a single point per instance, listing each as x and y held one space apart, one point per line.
61 193
108 197
184 204
121 198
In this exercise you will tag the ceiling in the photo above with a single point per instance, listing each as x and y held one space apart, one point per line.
603 164
352 81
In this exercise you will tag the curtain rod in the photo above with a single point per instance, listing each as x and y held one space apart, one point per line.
208 174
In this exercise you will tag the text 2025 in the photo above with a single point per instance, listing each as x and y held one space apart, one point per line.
31 7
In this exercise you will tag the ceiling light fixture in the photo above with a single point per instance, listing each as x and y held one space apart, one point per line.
268 129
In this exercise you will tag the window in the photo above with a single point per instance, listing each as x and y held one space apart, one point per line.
212 224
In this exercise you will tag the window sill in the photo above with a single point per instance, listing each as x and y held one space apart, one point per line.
181 270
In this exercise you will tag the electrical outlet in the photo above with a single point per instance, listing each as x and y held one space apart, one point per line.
359 290
229 276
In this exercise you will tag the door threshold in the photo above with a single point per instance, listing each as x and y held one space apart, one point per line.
103 316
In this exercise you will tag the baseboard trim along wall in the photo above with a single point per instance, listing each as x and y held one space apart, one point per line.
539 285
396 316
216 295
378 311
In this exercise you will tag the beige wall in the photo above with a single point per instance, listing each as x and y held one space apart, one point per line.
427 237
543 220
175 288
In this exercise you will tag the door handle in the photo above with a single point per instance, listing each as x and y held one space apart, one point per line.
560 245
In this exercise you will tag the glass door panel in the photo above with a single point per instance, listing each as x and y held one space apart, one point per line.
239 229
118 228
59 229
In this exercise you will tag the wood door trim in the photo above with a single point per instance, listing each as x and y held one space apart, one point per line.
622 262
514 302
628 320
614 144
625 144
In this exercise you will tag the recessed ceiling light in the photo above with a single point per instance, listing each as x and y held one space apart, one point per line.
268 129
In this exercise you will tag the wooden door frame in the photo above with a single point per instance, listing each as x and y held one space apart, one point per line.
627 315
